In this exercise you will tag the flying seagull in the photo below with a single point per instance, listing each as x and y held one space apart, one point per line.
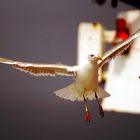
85 85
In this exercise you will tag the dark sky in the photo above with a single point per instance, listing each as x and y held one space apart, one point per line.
46 31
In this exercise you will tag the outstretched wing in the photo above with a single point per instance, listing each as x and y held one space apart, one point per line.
118 49
38 69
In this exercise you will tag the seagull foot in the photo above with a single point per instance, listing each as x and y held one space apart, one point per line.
88 116
101 112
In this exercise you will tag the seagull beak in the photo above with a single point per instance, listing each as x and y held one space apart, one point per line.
99 58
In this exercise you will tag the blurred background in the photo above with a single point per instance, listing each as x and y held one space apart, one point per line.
46 31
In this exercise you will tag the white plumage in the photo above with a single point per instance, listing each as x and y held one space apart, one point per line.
85 85
86 76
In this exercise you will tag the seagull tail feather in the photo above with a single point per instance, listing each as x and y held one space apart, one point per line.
69 93
102 93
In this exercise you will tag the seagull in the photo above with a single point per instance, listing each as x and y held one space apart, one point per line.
85 86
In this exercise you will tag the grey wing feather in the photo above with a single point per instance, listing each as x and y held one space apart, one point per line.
118 49
38 69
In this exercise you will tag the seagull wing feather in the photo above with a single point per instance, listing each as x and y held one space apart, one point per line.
38 69
118 49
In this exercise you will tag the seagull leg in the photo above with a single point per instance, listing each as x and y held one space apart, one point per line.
101 112
88 116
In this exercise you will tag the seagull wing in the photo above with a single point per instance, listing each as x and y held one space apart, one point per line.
38 69
118 49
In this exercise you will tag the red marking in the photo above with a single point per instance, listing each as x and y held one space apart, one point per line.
122 32
139 77
88 117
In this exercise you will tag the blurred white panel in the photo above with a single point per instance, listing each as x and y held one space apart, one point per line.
122 79
109 36
90 41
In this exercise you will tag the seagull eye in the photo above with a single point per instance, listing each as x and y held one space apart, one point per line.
92 55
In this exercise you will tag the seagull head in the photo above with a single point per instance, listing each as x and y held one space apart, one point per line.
93 58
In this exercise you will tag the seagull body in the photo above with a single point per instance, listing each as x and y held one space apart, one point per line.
85 85
87 77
